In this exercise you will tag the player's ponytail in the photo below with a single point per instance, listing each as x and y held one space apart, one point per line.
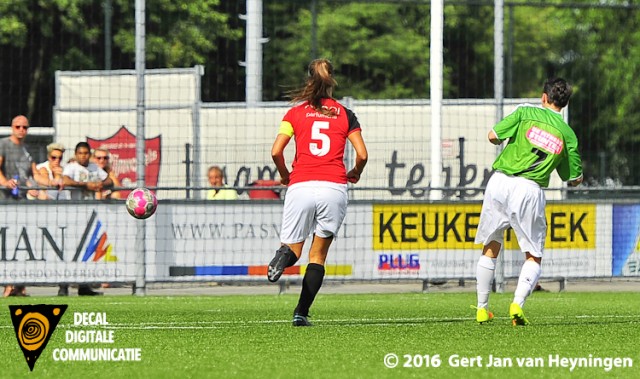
319 85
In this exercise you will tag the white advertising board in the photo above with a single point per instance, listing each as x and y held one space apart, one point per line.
70 243
234 241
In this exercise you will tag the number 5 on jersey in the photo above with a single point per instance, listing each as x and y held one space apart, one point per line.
318 135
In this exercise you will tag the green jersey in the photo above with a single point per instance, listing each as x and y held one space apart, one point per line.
539 142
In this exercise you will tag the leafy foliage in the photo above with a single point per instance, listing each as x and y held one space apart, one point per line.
380 50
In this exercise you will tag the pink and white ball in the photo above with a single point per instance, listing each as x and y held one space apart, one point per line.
141 203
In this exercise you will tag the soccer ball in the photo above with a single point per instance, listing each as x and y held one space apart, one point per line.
141 203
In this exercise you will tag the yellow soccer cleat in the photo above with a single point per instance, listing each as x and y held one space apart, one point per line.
517 315
483 315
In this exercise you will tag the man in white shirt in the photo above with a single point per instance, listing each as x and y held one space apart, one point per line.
89 179
85 175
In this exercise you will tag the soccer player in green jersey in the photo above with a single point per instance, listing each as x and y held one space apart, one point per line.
539 141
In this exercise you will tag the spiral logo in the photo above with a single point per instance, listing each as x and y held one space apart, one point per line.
34 325
33 330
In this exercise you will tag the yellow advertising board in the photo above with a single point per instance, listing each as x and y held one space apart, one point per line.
454 226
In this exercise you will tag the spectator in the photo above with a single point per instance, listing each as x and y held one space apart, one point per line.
85 175
102 158
91 180
52 169
216 179
17 171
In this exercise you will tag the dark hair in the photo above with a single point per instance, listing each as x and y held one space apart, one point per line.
319 85
81 145
558 91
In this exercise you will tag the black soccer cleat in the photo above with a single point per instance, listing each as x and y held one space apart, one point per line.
300 320
277 264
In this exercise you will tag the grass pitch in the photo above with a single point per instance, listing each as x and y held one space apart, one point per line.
251 336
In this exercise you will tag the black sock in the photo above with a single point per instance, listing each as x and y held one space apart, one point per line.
310 287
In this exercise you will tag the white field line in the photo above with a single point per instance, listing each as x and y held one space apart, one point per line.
218 324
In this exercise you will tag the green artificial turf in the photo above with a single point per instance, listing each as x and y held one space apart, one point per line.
251 337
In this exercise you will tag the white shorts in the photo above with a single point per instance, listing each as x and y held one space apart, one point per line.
313 207
516 202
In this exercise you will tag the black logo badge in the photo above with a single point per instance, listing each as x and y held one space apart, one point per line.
34 325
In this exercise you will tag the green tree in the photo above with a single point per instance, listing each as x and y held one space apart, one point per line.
184 34
608 65
39 37
380 51
468 56
31 35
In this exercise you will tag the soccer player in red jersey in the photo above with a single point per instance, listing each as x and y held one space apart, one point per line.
316 199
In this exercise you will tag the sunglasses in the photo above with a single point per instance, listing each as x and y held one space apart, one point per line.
25 127
101 158
55 157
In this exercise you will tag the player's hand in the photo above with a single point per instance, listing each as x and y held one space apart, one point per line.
575 183
353 176
284 180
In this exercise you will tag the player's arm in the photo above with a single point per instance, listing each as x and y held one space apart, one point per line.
506 128
575 182
277 154
572 175
362 156
575 166
277 150
493 138
570 168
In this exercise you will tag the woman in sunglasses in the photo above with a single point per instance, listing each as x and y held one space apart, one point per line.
52 169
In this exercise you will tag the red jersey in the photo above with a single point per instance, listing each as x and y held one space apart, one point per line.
320 141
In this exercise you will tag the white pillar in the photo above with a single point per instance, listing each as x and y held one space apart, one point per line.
435 78
140 244
498 90
253 54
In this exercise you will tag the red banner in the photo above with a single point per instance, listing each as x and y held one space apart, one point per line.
122 147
